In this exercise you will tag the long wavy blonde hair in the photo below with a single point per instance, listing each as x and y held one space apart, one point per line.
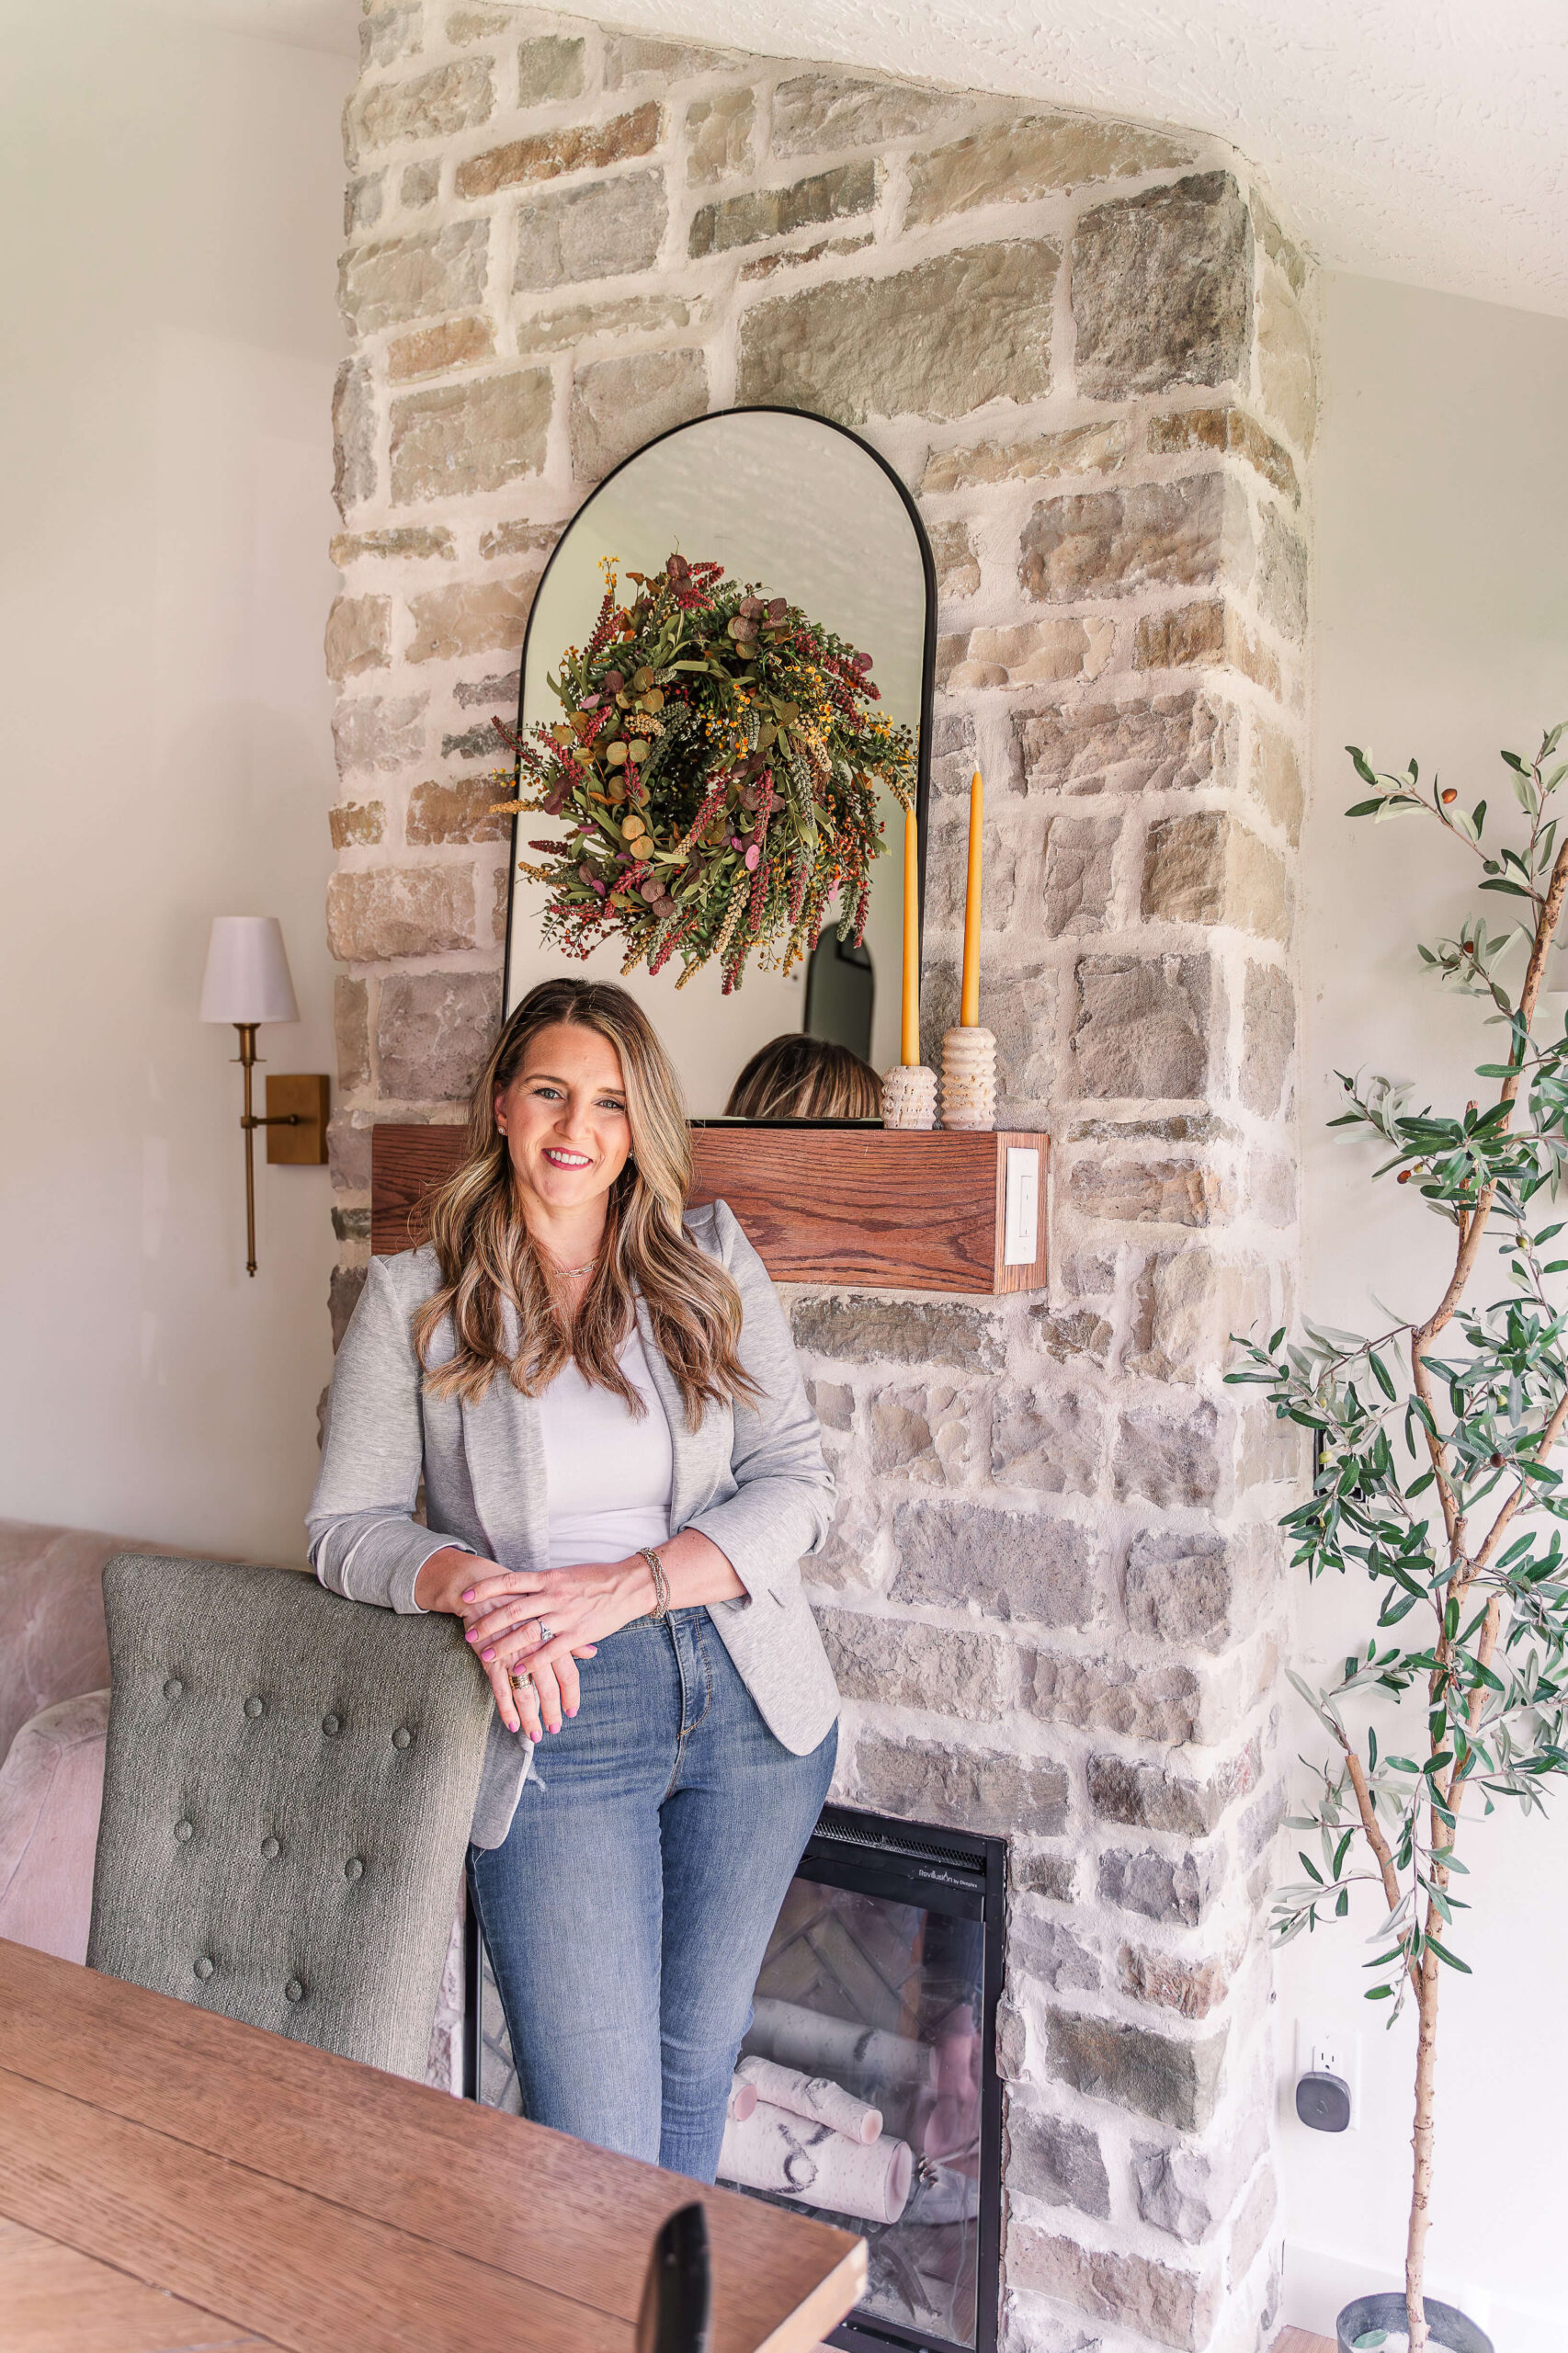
488 1259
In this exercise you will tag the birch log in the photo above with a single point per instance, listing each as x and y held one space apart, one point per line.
742 2101
821 2045
817 2096
795 2158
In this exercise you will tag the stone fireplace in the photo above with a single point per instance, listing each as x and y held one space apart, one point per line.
1053 1592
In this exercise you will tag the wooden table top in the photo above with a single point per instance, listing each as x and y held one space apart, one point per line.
171 2179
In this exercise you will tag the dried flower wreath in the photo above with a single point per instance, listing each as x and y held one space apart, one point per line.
719 765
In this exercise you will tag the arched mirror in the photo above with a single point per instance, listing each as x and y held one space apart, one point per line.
809 519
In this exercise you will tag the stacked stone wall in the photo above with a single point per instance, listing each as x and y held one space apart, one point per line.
1053 1592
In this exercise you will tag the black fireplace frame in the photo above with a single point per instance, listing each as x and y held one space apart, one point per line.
960 1873
964 1873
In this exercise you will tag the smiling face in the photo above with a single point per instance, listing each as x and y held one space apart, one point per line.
565 1118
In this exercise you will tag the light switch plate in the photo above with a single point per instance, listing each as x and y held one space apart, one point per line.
1020 1230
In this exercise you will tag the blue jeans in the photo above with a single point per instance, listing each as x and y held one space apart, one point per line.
628 1911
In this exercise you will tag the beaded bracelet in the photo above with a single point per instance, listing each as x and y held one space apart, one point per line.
661 1608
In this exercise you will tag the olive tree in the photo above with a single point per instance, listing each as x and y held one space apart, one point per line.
1434 1443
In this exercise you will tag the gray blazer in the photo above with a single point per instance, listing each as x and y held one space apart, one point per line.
753 1478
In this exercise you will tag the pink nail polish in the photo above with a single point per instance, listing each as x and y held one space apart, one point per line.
469 1595
571 1711
487 1657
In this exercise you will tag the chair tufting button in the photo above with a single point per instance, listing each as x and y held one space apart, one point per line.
353 1868
204 1969
184 1830
331 1726
173 1688
294 1991
402 1737
253 1706
271 1849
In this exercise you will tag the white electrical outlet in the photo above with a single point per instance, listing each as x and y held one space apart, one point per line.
1324 2050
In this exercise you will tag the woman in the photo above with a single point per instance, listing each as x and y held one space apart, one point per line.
797 1078
622 1475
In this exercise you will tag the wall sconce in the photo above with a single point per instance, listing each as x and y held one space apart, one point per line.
247 982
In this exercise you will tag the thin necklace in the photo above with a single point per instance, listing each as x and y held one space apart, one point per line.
570 1271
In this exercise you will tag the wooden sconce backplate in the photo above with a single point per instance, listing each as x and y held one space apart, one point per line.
877 1208
308 1097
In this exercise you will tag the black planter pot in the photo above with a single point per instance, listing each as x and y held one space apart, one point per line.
1449 2328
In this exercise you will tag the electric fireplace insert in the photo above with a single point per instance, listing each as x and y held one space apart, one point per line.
867 2091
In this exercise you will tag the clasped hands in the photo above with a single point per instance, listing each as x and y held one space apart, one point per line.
504 1609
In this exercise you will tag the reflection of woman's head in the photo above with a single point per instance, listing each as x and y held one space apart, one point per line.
796 1077
478 1222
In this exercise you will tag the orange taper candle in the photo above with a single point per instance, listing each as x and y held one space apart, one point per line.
910 1046
969 999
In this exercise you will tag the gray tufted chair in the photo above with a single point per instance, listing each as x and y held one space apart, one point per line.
287 1790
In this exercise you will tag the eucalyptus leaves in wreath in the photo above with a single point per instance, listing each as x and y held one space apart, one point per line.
1437 1476
717 762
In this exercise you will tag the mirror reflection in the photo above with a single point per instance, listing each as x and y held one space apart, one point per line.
723 711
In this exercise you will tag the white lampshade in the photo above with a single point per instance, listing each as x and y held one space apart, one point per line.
247 971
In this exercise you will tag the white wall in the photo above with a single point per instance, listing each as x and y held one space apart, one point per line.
1442 613
172 194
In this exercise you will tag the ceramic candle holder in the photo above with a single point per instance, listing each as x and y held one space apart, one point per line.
968 1079
909 1097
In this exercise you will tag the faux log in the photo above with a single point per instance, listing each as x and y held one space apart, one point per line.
817 2096
819 2045
742 2102
789 2155
876 1207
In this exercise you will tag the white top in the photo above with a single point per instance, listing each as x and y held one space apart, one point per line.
607 1473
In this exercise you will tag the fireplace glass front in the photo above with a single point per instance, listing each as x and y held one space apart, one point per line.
867 2091
875 2014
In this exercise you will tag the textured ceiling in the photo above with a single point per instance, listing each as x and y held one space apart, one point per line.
1417 140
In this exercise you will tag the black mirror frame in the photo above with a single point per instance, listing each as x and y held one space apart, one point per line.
927 654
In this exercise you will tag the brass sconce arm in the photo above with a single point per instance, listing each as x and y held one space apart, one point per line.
311 1149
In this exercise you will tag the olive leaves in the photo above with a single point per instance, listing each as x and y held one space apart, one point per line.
1434 1475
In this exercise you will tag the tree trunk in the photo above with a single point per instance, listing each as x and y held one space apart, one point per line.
1421 2142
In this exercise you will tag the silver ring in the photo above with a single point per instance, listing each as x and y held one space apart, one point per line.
543 1631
